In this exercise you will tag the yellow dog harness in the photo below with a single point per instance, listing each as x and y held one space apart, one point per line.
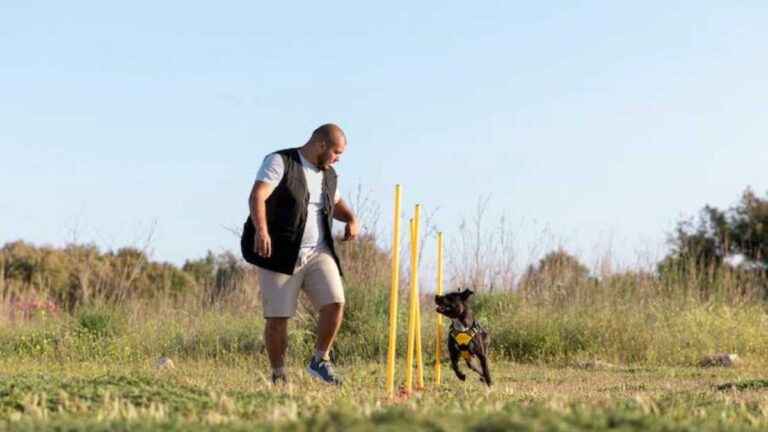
463 338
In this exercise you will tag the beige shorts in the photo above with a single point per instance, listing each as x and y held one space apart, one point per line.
316 274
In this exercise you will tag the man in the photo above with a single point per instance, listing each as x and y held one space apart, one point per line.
293 203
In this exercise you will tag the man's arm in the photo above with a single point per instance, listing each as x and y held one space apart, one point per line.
342 212
258 205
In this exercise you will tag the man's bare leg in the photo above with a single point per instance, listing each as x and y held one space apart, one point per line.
276 341
328 326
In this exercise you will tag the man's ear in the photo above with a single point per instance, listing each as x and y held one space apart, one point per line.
465 294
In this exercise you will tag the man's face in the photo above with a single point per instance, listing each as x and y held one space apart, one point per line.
331 153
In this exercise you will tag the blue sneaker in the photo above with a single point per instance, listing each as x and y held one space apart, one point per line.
323 370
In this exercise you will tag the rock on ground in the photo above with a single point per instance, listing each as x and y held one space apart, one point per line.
720 360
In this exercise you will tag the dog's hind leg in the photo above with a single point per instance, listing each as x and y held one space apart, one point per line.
474 366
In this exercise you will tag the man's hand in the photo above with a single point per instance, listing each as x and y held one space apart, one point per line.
351 230
263 245
342 212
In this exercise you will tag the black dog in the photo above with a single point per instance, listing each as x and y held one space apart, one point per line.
466 338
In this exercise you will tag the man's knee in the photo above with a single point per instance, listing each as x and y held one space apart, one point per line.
276 326
332 308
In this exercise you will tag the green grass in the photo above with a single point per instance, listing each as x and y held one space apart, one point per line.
92 369
203 394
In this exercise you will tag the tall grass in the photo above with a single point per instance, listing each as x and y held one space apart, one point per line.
628 321
209 309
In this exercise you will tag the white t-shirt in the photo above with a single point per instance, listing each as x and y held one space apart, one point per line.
271 172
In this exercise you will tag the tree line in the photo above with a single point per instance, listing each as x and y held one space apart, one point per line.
717 242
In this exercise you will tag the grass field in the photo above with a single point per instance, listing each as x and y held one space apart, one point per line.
94 369
234 394
91 367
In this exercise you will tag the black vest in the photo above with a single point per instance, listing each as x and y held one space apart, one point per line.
287 217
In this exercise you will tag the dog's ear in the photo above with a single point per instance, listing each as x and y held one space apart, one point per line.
465 294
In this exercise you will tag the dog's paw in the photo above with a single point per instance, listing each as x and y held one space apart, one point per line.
461 376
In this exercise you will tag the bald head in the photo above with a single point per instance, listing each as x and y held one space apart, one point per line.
329 133
325 146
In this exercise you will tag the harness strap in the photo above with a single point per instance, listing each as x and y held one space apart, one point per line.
464 337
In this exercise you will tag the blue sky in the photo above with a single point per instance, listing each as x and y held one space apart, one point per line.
595 125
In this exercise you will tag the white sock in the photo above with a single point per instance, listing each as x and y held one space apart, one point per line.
278 371
321 355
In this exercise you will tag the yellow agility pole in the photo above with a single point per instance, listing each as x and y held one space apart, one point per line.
393 290
439 319
415 327
413 316
419 358
411 324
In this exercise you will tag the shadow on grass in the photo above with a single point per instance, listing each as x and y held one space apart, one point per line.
756 384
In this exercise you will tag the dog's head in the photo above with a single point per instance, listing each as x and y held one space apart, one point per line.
453 305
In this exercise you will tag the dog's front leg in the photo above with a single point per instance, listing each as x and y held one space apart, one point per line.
486 370
454 352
